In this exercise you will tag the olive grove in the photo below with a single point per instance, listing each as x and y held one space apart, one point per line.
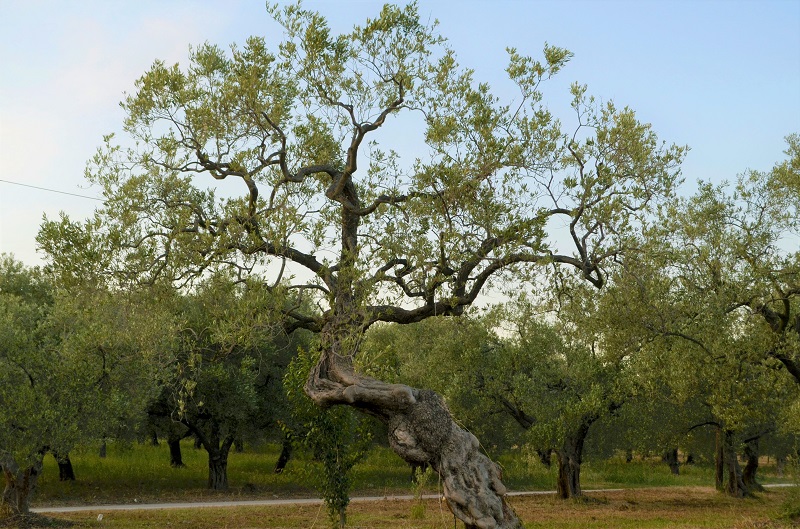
336 215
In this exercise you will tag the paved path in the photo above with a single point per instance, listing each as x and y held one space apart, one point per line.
288 501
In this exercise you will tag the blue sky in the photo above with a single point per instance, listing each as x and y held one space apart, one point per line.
720 76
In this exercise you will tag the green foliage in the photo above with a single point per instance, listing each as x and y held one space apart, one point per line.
337 437
76 363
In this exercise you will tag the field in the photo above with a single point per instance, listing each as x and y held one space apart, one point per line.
652 497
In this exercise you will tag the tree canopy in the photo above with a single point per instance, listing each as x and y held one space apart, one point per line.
331 208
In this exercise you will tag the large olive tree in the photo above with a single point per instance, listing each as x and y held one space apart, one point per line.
315 129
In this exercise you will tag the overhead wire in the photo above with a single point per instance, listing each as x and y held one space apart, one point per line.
51 190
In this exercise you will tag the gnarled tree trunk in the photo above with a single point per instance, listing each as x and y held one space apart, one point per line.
218 448
217 470
20 483
570 457
751 453
421 431
734 485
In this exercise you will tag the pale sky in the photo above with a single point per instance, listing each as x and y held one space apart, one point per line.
720 76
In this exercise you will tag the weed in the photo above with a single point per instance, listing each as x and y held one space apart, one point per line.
418 486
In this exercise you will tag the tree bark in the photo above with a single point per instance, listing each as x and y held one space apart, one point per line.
751 453
65 470
671 458
734 484
20 484
218 449
421 431
568 484
218 471
570 457
175 454
719 460
285 455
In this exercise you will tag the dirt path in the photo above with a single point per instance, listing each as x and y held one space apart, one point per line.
251 503
289 501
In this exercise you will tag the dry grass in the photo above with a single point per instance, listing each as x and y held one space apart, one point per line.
673 508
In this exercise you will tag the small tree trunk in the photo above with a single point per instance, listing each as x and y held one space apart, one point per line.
175 454
719 460
671 458
65 470
20 484
238 446
689 459
285 455
734 484
217 459
154 438
628 455
570 457
751 453
102 451
569 475
218 471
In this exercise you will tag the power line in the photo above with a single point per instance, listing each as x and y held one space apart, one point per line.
52 190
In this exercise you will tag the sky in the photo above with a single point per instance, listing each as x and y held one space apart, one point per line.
722 77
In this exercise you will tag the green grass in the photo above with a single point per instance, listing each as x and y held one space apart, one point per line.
142 473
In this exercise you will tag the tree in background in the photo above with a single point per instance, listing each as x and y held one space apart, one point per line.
368 234
72 365
230 344
555 378
692 339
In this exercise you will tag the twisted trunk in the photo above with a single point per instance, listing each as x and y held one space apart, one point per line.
218 447
217 471
421 431
734 484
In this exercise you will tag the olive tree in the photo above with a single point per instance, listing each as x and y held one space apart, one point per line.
72 365
312 129
218 388
693 344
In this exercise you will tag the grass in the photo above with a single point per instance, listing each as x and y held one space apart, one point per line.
655 508
141 473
